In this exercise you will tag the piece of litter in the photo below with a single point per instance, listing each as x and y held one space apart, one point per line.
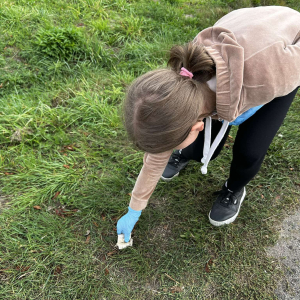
121 242
280 135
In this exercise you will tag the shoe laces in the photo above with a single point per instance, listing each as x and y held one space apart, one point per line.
175 159
227 197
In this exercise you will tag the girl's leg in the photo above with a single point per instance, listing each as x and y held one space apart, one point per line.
254 138
251 144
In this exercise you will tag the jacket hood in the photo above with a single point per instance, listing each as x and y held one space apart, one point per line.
257 57
219 43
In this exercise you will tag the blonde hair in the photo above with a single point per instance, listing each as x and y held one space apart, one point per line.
161 106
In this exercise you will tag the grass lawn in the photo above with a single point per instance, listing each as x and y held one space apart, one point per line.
67 168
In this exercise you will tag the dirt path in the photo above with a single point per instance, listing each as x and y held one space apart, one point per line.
287 250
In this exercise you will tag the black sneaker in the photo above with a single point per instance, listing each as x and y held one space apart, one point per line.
227 206
177 162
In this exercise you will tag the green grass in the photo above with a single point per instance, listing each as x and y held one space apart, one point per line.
64 68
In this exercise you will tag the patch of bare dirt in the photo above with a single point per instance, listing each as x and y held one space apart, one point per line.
287 250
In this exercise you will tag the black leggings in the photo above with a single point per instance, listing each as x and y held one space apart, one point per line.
252 141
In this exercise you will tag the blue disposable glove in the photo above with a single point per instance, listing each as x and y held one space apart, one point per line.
127 222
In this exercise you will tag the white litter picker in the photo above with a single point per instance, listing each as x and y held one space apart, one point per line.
121 244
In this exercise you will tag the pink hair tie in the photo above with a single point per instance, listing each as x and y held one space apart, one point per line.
185 72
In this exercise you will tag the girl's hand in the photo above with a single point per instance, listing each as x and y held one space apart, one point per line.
126 223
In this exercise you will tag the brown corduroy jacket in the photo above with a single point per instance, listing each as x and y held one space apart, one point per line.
257 57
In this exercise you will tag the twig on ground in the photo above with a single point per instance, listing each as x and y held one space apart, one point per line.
172 278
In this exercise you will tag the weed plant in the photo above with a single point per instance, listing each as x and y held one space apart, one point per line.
67 168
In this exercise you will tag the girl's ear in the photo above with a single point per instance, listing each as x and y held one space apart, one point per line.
199 126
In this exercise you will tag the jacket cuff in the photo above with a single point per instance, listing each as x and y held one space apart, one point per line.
137 204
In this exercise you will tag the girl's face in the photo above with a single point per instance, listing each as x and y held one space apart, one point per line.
199 126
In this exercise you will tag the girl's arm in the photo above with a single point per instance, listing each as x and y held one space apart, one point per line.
154 165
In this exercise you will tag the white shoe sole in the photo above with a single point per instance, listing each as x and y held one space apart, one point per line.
169 179
230 220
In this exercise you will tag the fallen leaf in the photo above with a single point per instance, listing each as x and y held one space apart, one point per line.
209 263
259 186
87 239
37 207
6 173
111 253
291 169
262 196
1 85
207 269
129 194
70 148
56 195
106 272
277 197
65 213
57 270
95 224
87 232
23 269
226 146
59 212
176 289
66 166
230 136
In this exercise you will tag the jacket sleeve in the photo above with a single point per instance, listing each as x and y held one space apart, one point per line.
154 165
275 72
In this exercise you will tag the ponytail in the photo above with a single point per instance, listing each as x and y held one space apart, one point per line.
194 58
162 105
